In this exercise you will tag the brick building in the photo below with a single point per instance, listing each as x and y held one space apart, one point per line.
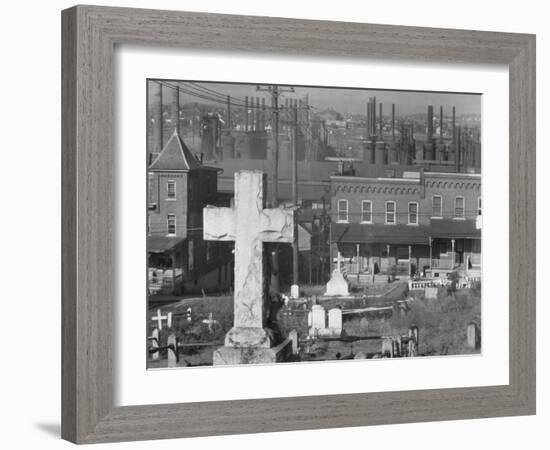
179 260
417 223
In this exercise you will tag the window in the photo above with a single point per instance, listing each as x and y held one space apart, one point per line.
171 189
390 213
366 211
342 210
171 223
459 207
413 213
402 253
479 206
436 206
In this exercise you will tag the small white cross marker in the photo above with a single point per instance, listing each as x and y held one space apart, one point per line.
210 321
159 318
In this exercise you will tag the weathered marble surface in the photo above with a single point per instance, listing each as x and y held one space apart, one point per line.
249 224
253 355
337 285
335 319
318 319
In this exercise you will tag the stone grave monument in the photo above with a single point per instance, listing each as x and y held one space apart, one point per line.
472 336
249 224
317 319
337 285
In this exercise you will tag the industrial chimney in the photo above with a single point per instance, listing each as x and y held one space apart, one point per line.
156 118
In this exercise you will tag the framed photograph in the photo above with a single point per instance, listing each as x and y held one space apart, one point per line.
267 230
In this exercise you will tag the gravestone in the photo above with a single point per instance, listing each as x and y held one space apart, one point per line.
210 322
159 318
430 292
337 285
154 339
249 224
293 336
335 320
172 344
387 347
413 344
318 319
294 291
472 335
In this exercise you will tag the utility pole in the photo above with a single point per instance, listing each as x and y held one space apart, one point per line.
275 92
177 109
295 250
228 113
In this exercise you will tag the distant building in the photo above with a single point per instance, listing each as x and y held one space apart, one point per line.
179 260
421 223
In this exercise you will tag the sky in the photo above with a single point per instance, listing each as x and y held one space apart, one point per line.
342 100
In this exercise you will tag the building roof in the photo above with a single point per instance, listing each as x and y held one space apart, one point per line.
354 233
175 156
455 229
313 176
161 244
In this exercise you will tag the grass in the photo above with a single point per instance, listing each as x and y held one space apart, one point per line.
442 321
194 331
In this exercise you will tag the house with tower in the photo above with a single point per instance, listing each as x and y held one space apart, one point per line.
179 260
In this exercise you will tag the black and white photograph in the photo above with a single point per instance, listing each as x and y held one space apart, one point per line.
309 223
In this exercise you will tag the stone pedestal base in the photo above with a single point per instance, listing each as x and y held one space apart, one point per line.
337 285
225 356
247 337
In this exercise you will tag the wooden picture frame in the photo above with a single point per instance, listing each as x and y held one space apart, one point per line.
90 34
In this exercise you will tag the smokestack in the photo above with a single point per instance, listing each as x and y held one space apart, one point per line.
380 122
306 110
176 109
158 141
262 121
246 113
286 115
441 123
430 122
258 114
458 151
252 114
454 126
369 113
393 121
371 119
228 125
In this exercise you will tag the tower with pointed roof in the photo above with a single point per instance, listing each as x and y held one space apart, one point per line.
179 187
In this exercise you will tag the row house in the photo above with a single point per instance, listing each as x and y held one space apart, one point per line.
422 223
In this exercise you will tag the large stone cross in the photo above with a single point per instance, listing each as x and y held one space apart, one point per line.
249 224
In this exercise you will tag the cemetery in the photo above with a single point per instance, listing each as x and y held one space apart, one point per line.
256 325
